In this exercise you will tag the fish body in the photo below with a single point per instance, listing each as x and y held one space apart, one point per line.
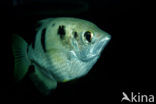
64 49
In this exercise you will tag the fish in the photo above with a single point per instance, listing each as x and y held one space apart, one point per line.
64 49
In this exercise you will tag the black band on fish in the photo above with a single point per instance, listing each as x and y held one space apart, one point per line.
43 40
75 35
61 31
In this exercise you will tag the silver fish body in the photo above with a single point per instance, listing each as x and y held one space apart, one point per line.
64 49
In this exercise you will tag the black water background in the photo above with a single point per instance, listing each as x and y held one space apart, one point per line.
126 64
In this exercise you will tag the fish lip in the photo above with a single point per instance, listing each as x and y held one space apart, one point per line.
99 47
84 59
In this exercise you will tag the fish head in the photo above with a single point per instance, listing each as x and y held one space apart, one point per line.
91 41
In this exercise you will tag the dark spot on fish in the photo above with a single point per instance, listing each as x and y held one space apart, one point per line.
43 39
61 31
53 24
75 35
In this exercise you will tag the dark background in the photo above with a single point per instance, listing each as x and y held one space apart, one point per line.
126 64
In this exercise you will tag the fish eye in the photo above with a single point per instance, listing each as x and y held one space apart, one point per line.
88 36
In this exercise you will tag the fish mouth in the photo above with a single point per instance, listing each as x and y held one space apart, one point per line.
89 57
96 49
93 51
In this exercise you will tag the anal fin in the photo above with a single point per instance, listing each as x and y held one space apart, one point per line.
43 83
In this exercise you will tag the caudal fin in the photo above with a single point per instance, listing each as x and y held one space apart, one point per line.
22 63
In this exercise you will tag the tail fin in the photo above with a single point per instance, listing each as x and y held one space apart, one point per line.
22 63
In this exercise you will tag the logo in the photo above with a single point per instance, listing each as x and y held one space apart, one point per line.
137 97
